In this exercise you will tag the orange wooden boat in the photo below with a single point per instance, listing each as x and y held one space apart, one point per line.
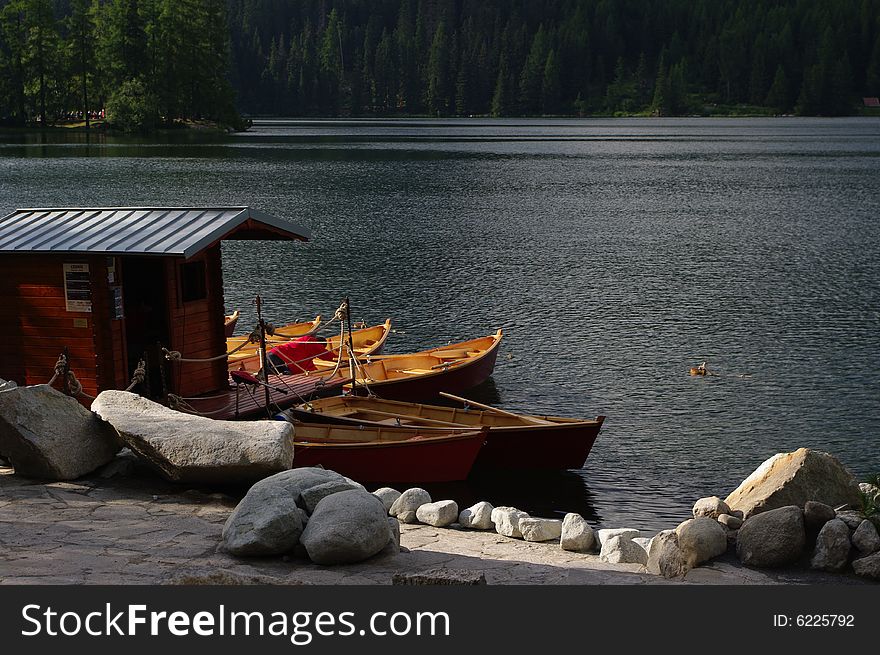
366 341
246 358
387 454
229 323
514 441
423 375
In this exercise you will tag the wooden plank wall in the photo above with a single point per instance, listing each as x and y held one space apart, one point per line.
197 329
35 325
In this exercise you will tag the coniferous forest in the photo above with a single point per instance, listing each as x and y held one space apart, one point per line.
150 62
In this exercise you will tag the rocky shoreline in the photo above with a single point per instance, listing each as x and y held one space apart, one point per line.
105 518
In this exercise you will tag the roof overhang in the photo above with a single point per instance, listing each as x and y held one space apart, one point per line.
159 231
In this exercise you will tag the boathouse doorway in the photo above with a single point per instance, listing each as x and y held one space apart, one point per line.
146 317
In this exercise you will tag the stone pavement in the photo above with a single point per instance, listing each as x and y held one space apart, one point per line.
141 530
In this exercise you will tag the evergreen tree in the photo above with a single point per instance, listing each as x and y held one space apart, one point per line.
503 98
531 79
439 73
778 96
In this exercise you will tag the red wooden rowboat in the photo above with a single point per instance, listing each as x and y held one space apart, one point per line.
514 441
383 454
423 375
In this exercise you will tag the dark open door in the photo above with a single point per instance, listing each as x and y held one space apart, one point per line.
146 318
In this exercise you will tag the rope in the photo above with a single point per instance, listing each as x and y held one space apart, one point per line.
140 373
75 386
59 368
176 356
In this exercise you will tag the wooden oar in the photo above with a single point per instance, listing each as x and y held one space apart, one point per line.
416 419
503 412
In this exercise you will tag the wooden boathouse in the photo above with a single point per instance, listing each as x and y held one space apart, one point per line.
111 284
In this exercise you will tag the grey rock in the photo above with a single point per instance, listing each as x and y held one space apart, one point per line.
534 529
267 521
439 514
792 479
832 547
310 497
409 501
852 518
623 550
577 535
46 434
387 495
868 567
773 538
394 526
477 517
506 520
606 533
865 538
712 507
6 385
738 513
817 514
644 542
349 526
665 556
730 522
183 447
440 576
407 517
701 539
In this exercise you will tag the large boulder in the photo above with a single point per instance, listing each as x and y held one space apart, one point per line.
534 529
605 534
439 514
477 517
793 479
404 508
269 519
832 547
577 535
665 556
868 567
506 520
183 447
866 538
46 434
346 527
773 538
701 539
311 496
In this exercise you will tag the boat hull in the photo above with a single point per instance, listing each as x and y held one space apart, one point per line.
551 447
420 388
432 459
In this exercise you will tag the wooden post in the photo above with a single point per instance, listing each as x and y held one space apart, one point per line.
263 357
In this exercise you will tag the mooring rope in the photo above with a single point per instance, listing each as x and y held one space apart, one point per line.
139 375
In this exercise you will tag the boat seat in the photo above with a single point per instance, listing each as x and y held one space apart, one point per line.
450 354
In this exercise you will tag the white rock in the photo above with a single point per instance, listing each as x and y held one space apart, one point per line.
346 527
577 535
701 539
644 542
665 556
46 434
404 508
713 507
606 533
439 514
865 538
621 549
387 495
477 517
533 529
183 447
506 520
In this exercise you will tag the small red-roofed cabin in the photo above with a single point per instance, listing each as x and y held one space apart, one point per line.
111 284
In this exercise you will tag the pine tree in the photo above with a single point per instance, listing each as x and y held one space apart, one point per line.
551 88
532 77
502 99
81 38
439 73
778 96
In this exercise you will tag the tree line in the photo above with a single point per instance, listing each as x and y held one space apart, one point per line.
532 57
146 62
151 62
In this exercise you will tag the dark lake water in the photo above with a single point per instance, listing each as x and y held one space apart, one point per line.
616 254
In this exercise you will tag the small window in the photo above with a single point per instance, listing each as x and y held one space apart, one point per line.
192 282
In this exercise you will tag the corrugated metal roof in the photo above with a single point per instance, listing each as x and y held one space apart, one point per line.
169 231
